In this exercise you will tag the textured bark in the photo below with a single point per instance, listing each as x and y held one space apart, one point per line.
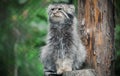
96 25
85 72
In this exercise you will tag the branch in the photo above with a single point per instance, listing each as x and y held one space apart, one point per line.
84 72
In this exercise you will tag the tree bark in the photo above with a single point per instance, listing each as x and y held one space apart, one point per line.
96 27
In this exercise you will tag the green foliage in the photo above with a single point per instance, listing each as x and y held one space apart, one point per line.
21 39
22 1
32 24
117 40
117 47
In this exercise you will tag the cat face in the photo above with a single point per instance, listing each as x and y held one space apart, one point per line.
60 12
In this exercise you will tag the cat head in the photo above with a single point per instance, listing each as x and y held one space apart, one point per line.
60 12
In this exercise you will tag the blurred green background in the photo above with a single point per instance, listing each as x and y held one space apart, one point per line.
23 27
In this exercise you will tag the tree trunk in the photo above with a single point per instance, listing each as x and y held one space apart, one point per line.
96 27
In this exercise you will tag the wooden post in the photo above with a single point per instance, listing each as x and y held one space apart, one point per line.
96 27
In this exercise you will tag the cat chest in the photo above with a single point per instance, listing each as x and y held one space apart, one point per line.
61 42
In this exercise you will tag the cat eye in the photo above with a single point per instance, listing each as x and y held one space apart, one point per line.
52 9
59 8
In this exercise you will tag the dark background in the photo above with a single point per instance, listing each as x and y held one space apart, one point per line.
23 28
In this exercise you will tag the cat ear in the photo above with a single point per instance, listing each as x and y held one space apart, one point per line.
72 8
49 8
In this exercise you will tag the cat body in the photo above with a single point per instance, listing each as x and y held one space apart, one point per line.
64 50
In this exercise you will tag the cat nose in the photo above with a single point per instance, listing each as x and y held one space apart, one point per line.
55 14
55 11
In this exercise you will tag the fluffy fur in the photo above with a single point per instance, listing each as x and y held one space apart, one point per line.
64 51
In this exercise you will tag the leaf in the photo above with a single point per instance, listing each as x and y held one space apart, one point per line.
22 1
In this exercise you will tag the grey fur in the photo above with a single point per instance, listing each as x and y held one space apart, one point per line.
64 47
